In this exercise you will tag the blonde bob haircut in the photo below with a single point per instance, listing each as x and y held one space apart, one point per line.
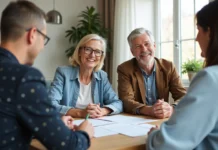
75 58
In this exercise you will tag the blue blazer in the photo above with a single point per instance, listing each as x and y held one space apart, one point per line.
25 110
65 88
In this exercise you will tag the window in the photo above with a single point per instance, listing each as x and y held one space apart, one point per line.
176 30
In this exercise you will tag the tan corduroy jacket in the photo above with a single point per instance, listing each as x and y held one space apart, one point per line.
131 86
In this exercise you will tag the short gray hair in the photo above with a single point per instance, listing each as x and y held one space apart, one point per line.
137 32
75 60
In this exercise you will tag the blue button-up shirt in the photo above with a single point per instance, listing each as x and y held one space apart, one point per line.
64 91
150 87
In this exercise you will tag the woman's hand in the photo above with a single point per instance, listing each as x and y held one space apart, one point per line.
95 111
153 128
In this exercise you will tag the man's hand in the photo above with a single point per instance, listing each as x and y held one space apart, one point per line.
162 109
68 121
87 127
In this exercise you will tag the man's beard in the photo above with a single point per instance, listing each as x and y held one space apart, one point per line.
145 62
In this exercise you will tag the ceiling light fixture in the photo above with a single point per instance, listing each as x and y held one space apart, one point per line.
54 16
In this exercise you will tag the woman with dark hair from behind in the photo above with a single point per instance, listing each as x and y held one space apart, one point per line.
194 123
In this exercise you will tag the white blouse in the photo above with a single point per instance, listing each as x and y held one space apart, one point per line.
85 96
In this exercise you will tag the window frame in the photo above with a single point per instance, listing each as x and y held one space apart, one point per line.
177 39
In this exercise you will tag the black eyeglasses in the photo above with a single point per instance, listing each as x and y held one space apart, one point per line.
89 50
46 38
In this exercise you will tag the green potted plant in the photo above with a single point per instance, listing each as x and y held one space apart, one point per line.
89 23
191 67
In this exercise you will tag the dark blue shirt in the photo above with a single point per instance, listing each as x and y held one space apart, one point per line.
25 110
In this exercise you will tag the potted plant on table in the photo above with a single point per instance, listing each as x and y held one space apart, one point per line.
89 23
191 67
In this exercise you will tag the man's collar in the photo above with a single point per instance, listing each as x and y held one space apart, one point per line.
7 55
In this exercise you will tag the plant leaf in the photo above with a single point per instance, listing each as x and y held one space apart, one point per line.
89 22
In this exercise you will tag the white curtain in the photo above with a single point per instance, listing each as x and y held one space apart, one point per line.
123 25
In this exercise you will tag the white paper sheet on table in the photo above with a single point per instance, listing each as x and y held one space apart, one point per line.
127 129
99 132
149 126
126 119
94 122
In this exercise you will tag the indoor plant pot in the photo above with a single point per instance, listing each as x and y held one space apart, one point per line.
191 67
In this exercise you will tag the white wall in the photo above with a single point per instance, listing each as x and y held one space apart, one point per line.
53 54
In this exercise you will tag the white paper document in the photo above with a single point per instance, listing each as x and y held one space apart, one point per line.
126 119
94 122
129 130
149 126
99 132
119 124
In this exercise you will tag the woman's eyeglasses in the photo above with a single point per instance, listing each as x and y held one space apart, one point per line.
89 50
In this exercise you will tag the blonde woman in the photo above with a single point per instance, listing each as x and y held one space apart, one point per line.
83 88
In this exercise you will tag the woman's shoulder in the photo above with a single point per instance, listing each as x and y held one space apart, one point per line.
100 74
67 71
66 68
208 74
209 71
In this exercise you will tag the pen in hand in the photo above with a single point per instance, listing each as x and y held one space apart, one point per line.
87 116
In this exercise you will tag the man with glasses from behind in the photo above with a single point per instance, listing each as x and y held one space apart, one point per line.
46 38
24 107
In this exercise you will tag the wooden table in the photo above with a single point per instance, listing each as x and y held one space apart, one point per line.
113 142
